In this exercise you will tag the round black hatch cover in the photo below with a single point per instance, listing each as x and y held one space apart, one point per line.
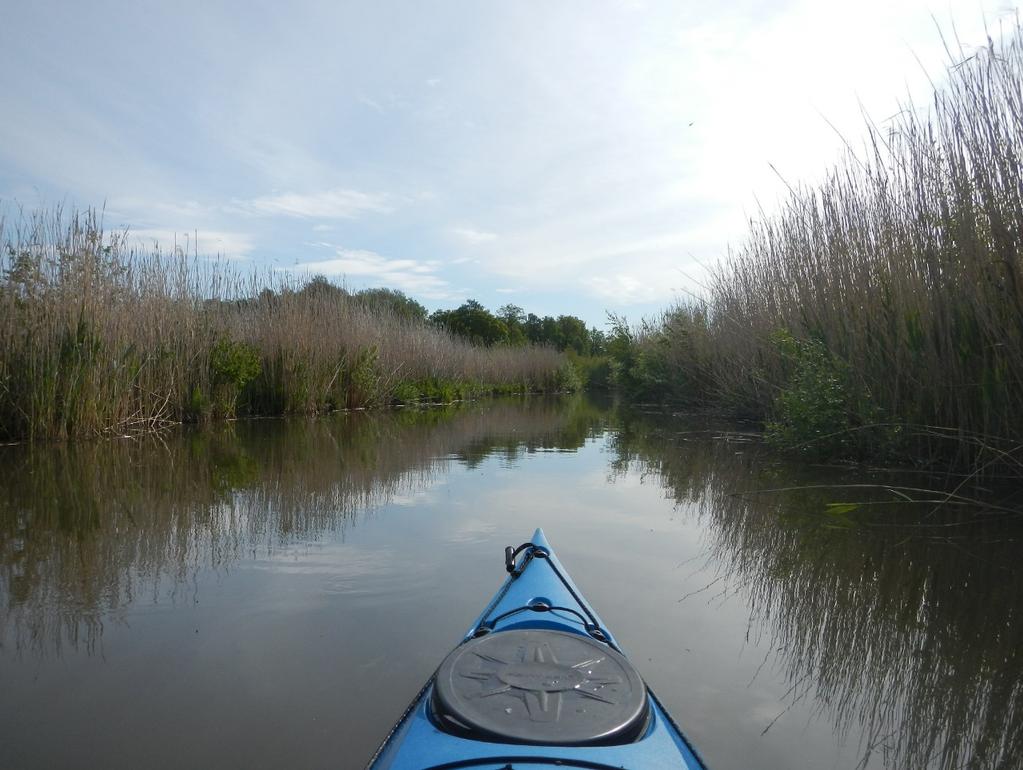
537 686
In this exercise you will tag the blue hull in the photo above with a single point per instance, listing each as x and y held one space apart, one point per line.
538 595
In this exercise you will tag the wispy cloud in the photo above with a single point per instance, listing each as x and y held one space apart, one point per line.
134 208
371 103
336 203
626 289
523 154
227 245
410 275
472 236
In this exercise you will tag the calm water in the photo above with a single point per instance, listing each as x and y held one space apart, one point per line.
272 593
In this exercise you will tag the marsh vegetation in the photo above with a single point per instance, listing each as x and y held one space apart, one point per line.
102 336
879 312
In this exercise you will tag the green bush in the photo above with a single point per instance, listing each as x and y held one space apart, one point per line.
567 378
813 410
822 410
196 406
233 365
594 371
640 365
363 380
405 393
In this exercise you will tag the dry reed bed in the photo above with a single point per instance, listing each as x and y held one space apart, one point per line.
99 336
905 267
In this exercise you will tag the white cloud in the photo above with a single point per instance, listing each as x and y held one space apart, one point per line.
472 236
626 270
210 243
628 289
188 211
336 203
571 162
410 275
371 103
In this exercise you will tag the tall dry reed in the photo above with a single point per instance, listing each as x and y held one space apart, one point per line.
897 282
100 336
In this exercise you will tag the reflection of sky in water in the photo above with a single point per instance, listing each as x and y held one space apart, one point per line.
277 595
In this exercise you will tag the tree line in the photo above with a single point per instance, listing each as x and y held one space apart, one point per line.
512 326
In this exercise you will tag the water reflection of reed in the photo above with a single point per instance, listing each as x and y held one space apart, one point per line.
904 625
88 527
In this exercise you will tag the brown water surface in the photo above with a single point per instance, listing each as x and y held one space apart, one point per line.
272 593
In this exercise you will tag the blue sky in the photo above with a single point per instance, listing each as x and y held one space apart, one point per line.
569 157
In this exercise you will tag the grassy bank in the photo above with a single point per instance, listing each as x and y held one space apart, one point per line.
881 311
99 337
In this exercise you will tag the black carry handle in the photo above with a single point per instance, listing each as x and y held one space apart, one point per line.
510 554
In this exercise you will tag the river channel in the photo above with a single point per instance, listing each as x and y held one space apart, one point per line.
272 593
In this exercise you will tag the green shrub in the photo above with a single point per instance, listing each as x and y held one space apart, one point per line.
405 393
821 410
197 406
363 380
640 365
233 365
567 378
594 371
813 409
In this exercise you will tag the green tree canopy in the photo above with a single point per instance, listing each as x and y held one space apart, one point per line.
474 322
572 333
321 286
513 326
514 317
393 300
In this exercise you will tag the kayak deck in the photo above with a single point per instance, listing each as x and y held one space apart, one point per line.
465 717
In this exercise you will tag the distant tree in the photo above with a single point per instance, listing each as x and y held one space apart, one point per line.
533 328
549 332
474 322
514 317
267 298
512 325
620 341
321 286
511 314
397 302
24 277
572 333
516 337
442 318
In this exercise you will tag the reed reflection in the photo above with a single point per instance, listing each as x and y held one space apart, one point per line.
87 528
900 621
